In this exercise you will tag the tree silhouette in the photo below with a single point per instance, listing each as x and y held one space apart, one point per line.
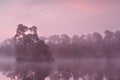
29 46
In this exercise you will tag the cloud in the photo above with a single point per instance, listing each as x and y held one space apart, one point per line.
92 6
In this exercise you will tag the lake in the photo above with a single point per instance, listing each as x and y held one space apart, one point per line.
60 69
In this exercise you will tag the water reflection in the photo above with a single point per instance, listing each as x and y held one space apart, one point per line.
26 70
62 70
90 69
31 71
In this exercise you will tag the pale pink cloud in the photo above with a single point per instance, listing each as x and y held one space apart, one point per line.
59 16
91 7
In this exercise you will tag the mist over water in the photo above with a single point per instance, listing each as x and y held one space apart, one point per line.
27 56
75 41
65 69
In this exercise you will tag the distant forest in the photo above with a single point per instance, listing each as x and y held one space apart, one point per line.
85 46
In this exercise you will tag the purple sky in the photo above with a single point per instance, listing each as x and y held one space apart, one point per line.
59 16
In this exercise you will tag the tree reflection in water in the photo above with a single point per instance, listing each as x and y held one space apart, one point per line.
28 71
78 72
81 70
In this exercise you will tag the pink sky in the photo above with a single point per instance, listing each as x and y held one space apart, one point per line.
59 16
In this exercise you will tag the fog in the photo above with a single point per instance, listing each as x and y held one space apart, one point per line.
86 57
28 56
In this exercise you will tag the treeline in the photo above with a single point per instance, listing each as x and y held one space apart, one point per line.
7 48
92 45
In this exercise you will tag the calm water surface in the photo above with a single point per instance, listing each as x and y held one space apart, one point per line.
62 69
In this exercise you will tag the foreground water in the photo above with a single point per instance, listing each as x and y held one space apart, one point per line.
62 69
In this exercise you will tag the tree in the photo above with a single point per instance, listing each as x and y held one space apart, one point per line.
97 36
54 39
109 35
65 39
7 48
29 46
109 44
75 39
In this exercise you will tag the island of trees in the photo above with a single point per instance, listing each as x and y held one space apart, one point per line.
28 47
94 45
